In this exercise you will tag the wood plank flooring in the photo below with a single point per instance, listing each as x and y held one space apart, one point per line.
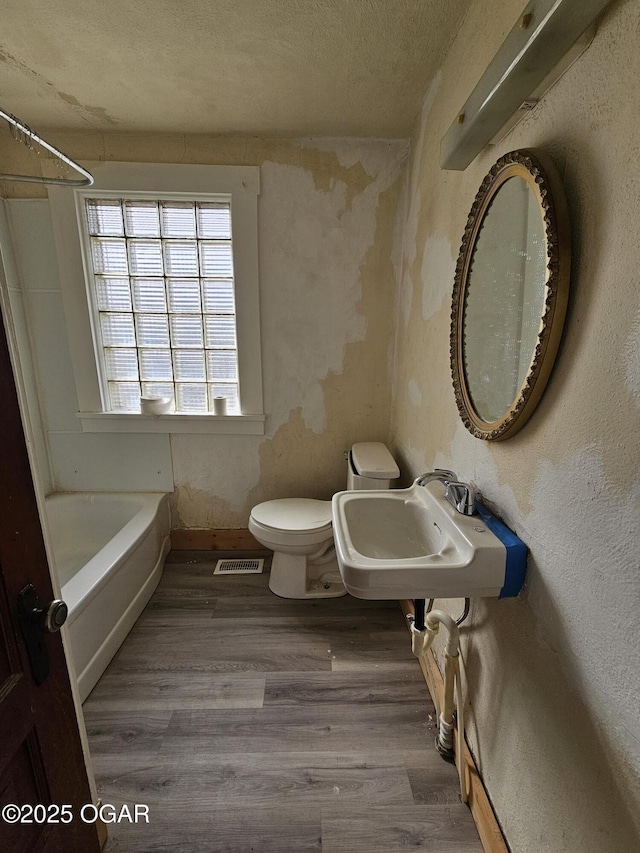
247 722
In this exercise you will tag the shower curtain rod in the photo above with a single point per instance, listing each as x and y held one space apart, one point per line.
85 181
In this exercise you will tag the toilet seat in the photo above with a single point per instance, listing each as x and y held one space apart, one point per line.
294 516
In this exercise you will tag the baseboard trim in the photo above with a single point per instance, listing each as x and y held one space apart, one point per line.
485 819
101 828
214 540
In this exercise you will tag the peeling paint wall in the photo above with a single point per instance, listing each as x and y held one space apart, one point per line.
327 232
553 676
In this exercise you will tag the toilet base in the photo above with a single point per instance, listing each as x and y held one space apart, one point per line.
294 576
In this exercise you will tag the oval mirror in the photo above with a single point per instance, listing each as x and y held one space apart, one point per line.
510 295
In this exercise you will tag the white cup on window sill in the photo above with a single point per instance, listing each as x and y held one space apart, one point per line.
219 405
155 405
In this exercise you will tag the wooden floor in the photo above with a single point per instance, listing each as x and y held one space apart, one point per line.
248 722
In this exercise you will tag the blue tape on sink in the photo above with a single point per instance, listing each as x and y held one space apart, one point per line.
517 552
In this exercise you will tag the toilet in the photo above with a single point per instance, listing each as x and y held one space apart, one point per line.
299 530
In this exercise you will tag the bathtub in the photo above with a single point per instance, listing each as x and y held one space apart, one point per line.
109 550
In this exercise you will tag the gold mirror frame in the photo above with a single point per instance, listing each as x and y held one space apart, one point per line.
540 175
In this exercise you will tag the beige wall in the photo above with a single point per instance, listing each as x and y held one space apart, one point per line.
554 676
327 228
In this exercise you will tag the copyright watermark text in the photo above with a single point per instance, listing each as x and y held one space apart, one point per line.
89 813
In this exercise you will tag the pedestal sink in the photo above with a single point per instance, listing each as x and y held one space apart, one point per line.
411 543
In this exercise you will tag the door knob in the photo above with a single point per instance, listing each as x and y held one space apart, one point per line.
54 616
34 622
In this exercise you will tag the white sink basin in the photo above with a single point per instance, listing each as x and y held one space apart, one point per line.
411 543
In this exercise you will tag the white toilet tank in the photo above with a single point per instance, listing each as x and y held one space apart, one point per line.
370 466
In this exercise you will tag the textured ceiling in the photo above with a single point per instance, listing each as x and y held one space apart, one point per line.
260 67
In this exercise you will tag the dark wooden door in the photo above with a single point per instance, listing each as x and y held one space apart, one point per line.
41 760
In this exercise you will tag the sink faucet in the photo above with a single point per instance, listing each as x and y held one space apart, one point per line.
461 496
443 474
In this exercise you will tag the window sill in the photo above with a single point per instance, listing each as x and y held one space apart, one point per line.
220 424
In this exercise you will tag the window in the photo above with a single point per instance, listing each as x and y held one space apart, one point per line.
167 266
163 291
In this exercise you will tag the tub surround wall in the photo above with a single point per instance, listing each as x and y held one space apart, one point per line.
327 236
18 330
554 675
79 461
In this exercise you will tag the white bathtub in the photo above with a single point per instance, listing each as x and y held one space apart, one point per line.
109 551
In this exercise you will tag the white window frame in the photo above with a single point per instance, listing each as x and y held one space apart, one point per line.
242 185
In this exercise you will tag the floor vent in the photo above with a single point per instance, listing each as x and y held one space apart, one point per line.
238 567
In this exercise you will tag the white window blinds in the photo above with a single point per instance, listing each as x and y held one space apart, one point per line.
165 301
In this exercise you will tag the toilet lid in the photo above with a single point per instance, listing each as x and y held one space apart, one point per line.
299 515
